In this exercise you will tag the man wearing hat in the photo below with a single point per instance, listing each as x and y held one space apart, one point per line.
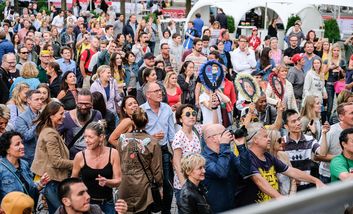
267 166
296 76
148 62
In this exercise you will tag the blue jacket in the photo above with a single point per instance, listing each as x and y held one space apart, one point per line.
10 183
223 170
5 47
267 71
24 125
135 69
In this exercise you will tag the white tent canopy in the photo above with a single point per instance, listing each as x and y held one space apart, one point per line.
305 9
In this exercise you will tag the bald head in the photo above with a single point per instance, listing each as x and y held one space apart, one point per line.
212 129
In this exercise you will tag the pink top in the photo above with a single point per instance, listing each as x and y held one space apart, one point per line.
277 56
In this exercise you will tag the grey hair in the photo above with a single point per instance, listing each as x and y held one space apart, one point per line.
253 130
146 88
98 126
4 57
4 112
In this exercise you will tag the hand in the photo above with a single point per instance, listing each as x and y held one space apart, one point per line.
281 106
44 179
325 128
159 136
214 101
252 108
239 141
120 206
319 184
102 181
312 127
226 137
324 97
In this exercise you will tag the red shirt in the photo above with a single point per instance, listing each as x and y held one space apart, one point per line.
174 99
84 56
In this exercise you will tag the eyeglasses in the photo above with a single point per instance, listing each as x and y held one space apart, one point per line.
243 41
11 63
84 104
293 40
156 91
24 52
189 113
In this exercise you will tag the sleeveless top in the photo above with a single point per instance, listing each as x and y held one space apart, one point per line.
89 176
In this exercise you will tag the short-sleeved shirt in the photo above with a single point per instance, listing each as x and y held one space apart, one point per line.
87 59
300 152
181 141
267 169
340 164
174 99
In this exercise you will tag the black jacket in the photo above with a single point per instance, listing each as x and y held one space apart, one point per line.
4 86
193 199
128 29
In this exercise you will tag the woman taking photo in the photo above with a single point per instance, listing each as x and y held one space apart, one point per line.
173 90
288 97
334 65
186 81
54 73
68 91
51 155
131 72
310 117
126 125
107 86
116 66
99 167
18 102
193 193
15 173
150 76
314 83
142 151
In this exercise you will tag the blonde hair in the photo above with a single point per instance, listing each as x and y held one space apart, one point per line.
329 60
100 70
16 99
274 135
4 112
190 162
308 108
29 70
166 79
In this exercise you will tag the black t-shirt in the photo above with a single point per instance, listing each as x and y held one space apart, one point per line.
249 193
291 51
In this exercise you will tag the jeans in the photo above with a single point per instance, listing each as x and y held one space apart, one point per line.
168 176
330 97
51 195
108 207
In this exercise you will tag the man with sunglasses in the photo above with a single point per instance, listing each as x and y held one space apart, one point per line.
263 184
22 57
161 126
223 168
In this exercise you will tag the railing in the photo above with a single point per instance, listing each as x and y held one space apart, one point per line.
333 199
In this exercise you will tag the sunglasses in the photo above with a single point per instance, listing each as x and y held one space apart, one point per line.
24 52
189 113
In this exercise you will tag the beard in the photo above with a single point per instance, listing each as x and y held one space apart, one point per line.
83 115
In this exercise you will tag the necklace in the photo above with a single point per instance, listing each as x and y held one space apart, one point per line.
139 131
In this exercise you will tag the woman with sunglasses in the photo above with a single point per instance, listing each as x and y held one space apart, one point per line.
187 140
287 186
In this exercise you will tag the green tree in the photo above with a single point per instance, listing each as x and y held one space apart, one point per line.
230 23
332 30
291 20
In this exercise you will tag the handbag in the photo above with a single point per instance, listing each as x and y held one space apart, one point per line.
156 206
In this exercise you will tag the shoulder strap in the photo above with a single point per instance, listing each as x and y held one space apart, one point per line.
84 157
142 165
110 154
197 133
17 178
78 135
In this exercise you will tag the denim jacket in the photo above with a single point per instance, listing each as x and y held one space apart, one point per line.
134 68
24 125
10 183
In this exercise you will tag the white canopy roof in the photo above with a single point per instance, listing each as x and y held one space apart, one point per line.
284 8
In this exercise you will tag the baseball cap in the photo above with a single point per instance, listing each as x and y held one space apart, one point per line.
297 57
16 203
149 55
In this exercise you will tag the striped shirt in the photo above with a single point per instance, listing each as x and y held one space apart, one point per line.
300 152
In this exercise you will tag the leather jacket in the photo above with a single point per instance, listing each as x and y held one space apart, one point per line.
193 199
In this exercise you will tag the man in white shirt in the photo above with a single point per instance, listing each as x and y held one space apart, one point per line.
243 58
58 21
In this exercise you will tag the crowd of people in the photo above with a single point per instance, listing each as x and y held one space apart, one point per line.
98 116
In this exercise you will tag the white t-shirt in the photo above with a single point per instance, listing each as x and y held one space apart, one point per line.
207 114
58 22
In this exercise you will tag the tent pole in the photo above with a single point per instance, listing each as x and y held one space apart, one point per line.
265 24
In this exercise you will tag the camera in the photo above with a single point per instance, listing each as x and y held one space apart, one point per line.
238 133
